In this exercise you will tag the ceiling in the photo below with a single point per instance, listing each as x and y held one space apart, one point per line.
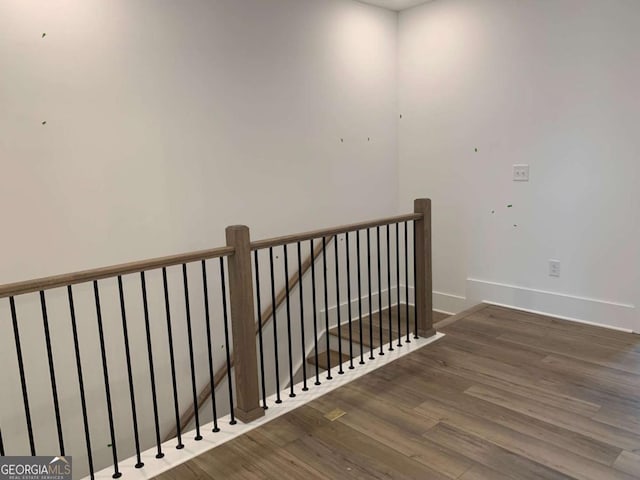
395 4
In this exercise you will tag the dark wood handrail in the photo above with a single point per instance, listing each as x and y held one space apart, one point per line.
329 232
57 281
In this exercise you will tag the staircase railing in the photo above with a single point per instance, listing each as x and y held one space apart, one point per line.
94 314
267 314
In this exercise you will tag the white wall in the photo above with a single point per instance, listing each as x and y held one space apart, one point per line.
165 122
552 84
168 121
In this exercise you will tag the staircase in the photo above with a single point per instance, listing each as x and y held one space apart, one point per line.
166 327
372 328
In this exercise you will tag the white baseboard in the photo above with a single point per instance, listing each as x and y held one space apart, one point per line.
383 302
449 303
442 302
574 308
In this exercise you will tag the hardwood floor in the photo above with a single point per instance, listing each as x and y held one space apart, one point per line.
505 394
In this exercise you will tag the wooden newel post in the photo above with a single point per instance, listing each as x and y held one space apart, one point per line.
243 325
424 285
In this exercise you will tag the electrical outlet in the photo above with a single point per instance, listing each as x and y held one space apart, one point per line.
521 173
554 268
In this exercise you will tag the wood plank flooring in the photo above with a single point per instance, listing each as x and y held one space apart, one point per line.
504 395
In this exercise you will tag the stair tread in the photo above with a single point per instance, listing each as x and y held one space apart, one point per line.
334 358
367 334
375 324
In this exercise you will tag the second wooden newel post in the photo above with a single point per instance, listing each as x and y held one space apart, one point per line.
422 251
243 325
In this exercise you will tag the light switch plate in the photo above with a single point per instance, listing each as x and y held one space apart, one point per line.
521 173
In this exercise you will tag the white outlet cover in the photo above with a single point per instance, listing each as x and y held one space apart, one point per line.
521 173
554 268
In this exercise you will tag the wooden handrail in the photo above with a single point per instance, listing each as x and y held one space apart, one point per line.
241 284
267 315
57 281
329 232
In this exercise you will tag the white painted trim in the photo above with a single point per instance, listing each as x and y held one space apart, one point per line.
559 317
344 310
549 292
441 311
443 302
173 457
591 311
448 303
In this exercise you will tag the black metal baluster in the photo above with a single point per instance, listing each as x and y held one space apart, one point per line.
302 337
176 408
315 317
286 282
194 391
23 378
359 295
379 291
337 262
275 326
83 400
406 279
226 340
105 372
371 357
415 302
351 367
260 341
52 373
399 306
127 352
389 308
207 317
326 302
152 371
